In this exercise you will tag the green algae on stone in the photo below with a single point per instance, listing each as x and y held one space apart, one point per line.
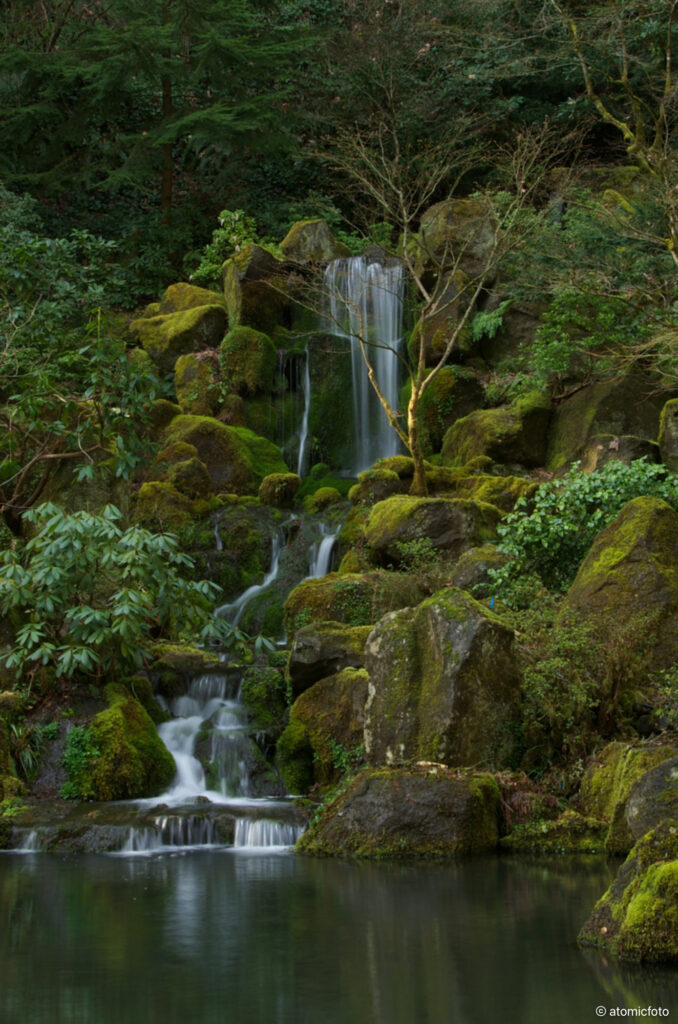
237 459
607 784
637 918
263 693
629 579
516 433
424 812
165 338
570 833
248 361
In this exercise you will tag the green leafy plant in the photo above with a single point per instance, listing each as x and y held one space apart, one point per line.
80 751
93 595
236 231
547 536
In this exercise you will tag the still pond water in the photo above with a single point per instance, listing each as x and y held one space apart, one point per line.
271 938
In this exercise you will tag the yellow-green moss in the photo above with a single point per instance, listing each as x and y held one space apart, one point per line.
570 833
195 384
511 434
248 361
181 296
321 499
165 338
312 240
294 758
158 503
279 489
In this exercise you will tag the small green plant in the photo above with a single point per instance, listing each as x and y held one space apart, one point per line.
235 232
547 536
346 760
80 751
486 325
665 699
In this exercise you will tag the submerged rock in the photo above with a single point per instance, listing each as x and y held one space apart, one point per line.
444 684
428 811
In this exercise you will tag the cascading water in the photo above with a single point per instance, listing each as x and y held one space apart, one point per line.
365 302
303 436
233 611
320 554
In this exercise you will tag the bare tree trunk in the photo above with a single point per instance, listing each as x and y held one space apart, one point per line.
419 486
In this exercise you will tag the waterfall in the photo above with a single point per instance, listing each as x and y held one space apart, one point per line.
234 610
320 554
365 301
303 436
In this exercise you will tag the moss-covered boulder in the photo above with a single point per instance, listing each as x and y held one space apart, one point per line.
376 485
457 232
629 581
128 760
603 448
444 685
471 571
165 338
607 784
434 332
513 434
500 491
668 435
627 405
653 798
354 599
321 500
570 833
248 361
257 290
173 665
637 918
195 382
162 413
402 813
312 240
332 711
158 503
323 649
182 296
453 393
237 459
279 489
294 758
263 692
190 477
449 525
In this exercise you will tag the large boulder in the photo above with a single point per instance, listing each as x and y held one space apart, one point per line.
195 383
653 798
324 648
248 361
404 813
167 337
312 240
453 393
458 233
629 581
237 459
668 435
607 783
256 289
181 296
332 715
637 918
355 599
448 525
628 405
444 684
515 433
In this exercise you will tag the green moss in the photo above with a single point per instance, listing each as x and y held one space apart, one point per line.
321 500
195 384
570 833
161 505
237 460
182 296
248 361
279 489
294 758
264 694
165 338
355 600
511 434
312 240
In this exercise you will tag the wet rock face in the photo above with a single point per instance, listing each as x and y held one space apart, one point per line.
653 798
443 685
324 648
400 813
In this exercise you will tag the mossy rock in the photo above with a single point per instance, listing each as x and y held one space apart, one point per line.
501 491
629 581
448 525
471 572
165 338
132 761
173 665
312 241
330 419
653 798
435 331
603 448
140 361
181 296
513 434
453 393
428 812
570 833
191 478
321 500
629 405
637 918
457 232
279 489
248 361
294 758
158 503
195 384
352 599
162 414
444 685
333 714
608 782
237 460
668 435
323 649
257 290
245 538
376 485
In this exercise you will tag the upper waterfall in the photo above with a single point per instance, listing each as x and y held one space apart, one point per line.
365 301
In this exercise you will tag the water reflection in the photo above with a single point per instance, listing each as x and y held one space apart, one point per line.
246 939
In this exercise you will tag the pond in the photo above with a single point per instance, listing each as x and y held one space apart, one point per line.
249 937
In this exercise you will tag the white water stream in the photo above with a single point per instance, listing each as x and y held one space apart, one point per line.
365 303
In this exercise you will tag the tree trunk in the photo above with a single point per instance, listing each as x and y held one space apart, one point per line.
419 486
